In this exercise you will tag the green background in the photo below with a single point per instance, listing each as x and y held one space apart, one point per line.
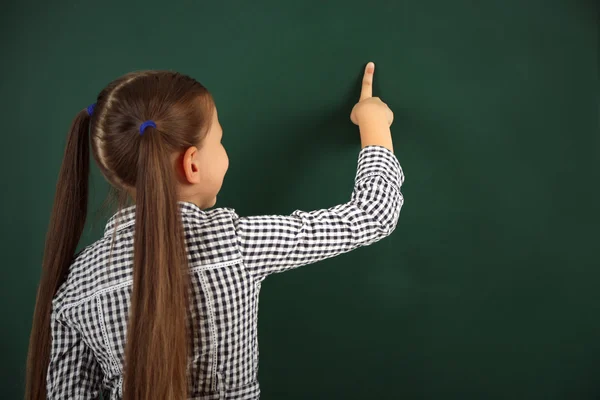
488 288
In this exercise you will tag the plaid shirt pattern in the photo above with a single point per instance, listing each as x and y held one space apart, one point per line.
229 257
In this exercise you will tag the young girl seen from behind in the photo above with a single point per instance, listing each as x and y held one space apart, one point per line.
164 305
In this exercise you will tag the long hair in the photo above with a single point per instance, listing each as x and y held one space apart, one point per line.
142 165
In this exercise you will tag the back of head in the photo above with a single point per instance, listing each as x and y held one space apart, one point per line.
138 162
180 107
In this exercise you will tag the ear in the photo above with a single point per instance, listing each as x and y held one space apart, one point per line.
191 169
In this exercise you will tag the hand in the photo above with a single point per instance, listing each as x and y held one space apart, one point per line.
370 108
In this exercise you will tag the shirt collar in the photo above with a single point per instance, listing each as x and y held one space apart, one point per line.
126 217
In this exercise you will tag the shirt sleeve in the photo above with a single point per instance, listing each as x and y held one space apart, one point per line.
276 243
73 372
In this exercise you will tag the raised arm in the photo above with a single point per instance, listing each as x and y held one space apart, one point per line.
276 243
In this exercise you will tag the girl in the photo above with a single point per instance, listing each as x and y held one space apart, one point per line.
164 306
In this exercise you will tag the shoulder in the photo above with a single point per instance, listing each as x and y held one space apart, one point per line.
83 276
211 235
215 217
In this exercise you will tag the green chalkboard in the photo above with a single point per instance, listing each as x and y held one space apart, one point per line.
488 288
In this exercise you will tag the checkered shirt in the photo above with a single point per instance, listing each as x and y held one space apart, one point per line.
229 257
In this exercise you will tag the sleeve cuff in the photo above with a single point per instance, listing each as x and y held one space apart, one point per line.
380 161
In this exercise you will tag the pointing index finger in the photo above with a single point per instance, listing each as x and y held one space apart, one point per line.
367 83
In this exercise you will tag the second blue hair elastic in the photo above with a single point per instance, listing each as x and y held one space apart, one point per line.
146 124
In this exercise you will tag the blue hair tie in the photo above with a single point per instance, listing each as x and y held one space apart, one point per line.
146 124
91 108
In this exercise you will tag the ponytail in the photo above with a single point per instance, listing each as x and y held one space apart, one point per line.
66 225
156 345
